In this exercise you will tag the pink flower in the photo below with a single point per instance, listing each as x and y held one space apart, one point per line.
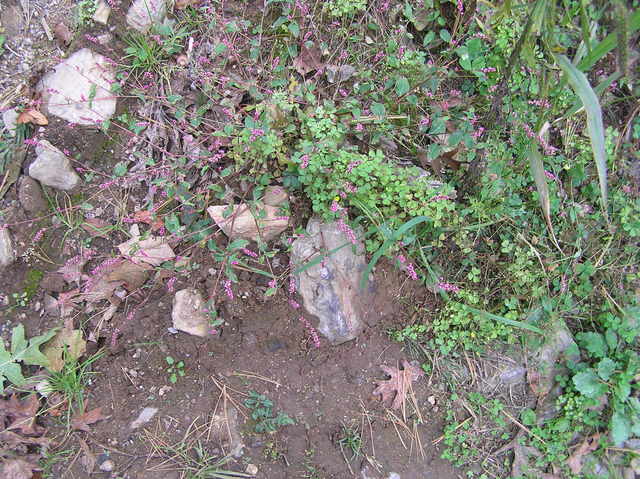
248 252
448 287
312 331
227 289
359 127
304 161
412 272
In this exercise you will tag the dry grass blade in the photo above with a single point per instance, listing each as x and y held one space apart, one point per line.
537 170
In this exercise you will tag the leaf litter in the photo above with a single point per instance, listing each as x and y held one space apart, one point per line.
397 387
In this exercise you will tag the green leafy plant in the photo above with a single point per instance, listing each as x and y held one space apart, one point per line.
263 415
22 351
174 369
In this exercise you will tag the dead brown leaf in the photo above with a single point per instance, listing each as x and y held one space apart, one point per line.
67 344
154 250
72 269
13 440
97 227
144 216
590 444
22 414
131 275
397 386
88 459
63 34
309 60
18 469
82 421
32 116
182 4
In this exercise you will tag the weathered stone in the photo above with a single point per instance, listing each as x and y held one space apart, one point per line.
331 289
144 417
188 313
242 223
336 74
30 195
9 118
78 90
275 196
7 254
143 14
103 10
53 168
153 250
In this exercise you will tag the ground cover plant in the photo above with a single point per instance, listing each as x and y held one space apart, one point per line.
485 154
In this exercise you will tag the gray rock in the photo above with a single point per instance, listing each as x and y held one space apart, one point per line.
144 13
242 223
53 168
9 118
78 90
188 313
225 430
107 466
30 195
103 10
340 73
144 417
7 254
331 289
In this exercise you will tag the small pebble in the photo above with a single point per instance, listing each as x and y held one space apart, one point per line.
252 469
107 466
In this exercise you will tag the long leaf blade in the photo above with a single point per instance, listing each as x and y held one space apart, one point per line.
595 127
502 319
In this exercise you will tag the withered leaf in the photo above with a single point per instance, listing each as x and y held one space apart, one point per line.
588 445
132 275
154 250
32 116
13 440
63 34
67 344
72 269
82 421
308 60
397 386
182 4
18 469
22 414
144 216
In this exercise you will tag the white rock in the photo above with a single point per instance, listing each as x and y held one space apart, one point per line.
251 469
78 90
144 417
9 118
103 10
154 250
144 13
188 313
7 255
241 223
53 168
107 466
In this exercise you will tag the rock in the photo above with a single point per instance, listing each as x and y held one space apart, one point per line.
9 118
153 250
103 10
144 417
340 73
251 469
241 223
7 255
188 313
144 13
78 90
331 289
53 168
107 466
275 196
30 195
12 20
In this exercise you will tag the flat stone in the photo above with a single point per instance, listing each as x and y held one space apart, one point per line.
53 168
330 289
144 417
7 254
79 89
241 222
143 14
9 118
30 195
103 10
275 196
188 313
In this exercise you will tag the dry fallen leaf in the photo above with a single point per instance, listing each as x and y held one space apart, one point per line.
88 459
130 274
32 116
308 60
63 34
18 469
397 386
67 344
22 414
153 250
72 269
81 422
144 216
14 440
588 445
182 4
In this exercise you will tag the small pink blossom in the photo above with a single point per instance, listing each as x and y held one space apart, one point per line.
312 331
448 287
227 289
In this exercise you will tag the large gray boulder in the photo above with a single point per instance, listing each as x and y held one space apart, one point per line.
143 14
330 289
79 88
